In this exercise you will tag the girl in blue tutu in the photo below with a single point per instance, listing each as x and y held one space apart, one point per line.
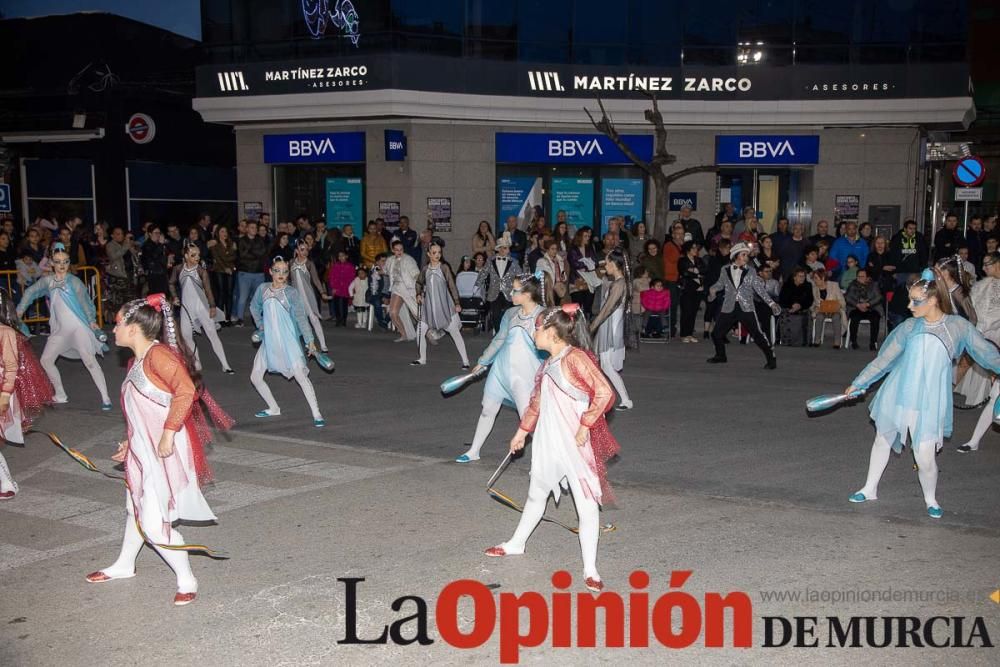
915 400
280 314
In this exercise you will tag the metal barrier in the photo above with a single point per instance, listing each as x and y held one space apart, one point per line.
37 313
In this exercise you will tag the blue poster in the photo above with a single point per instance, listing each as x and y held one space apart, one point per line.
517 195
621 197
344 203
576 197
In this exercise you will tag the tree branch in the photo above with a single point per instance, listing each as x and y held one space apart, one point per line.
607 128
677 175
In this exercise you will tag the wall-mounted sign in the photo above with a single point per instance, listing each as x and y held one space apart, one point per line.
680 199
389 212
439 213
140 128
576 197
968 194
344 203
5 205
846 207
318 147
395 146
535 148
252 210
781 149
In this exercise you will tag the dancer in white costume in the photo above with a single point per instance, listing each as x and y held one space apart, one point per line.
72 323
402 271
513 361
608 327
24 388
437 297
164 453
303 278
191 289
280 315
977 385
571 442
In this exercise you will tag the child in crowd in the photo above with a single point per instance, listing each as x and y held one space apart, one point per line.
850 272
378 291
655 305
339 283
359 292
28 270
640 283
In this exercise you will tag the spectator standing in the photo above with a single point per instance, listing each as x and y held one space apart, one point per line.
691 271
518 239
582 266
691 225
822 233
119 285
780 235
483 240
672 253
154 261
850 243
373 244
948 238
342 274
792 251
223 252
410 238
251 255
880 267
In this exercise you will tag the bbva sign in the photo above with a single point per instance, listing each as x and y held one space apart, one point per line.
767 149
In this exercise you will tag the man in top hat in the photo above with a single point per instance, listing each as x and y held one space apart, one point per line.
739 282
496 279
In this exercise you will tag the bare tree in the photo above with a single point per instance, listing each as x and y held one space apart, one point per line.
655 167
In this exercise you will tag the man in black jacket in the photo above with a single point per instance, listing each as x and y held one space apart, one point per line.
251 255
154 261
948 238
908 253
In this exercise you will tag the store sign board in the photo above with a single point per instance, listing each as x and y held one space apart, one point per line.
344 203
788 149
968 194
679 200
315 147
540 148
5 205
395 146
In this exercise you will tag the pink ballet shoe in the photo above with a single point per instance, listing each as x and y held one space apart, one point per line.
595 585
496 552
100 577
182 599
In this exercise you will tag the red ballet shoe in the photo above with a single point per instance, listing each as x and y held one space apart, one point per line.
595 585
495 552
182 599
97 577
7 495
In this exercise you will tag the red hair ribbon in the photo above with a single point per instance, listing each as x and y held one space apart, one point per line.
571 309
156 301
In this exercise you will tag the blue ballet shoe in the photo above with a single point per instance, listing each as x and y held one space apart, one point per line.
263 413
858 498
319 423
465 458
934 512
106 407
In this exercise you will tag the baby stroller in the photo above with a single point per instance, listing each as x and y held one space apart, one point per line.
474 311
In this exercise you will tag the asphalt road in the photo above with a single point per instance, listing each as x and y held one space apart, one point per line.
722 472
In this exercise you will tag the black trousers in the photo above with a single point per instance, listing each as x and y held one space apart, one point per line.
725 321
497 309
689 311
856 316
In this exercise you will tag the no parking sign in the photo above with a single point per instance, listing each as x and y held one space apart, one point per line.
969 172
5 198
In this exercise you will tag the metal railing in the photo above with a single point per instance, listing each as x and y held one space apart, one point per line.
38 312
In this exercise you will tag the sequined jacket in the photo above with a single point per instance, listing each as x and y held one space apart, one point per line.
741 294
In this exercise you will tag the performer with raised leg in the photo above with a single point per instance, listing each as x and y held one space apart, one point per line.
571 443
513 361
281 317
439 304
164 454
608 327
74 333
915 401
24 389
402 271
191 290
304 278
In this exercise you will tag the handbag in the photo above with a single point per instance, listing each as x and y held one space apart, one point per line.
829 306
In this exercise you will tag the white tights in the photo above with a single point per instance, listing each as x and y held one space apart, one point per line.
454 328
301 376
187 334
487 418
132 543
618 383
587 510
923 454
80 340
7 482
317 327
986 418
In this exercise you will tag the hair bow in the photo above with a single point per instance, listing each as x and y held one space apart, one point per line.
571 309
58 245
156 301
539 275
927 275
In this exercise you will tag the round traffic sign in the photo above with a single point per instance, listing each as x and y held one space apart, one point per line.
969 171
141 128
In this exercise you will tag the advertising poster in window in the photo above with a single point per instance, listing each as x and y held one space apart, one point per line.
518 195
621 197
439 213
576 197
252 210
389 212
344 202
